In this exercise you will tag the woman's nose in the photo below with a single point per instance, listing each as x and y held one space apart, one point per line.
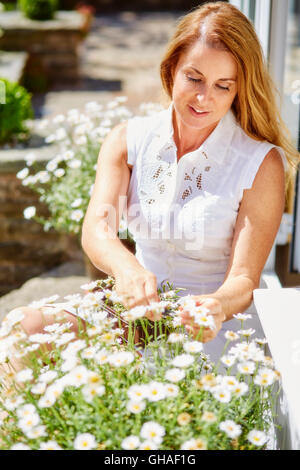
204 95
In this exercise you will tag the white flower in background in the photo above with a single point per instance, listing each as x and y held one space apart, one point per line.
231 336
25 424
43 177
222 394
46 401
41 338
193 347
265 377
120 359
78 376
48 376
153 431
156 391
246 368
49 445
171 390
74 163
20 446
258 438
23 174
102 356
14 317
134 313
137 392
77 203
261 341
59 119
12 403
69 364
29 212
24 375
209 417
39 388
228 360
65 338
36 432
130 443
50 139
54 390
30 159
85 441
240 389
81 140
232 429
176 338
91 391
136 406
94 331
247 333
77 215
61 134
183 360
51 166
242 316
229 382
59 172
194 444
26 411
148 445
89 353
174 375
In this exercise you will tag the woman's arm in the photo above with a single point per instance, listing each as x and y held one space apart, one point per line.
256 227
101 223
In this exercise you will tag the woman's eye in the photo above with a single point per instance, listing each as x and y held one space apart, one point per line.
223 88
197 80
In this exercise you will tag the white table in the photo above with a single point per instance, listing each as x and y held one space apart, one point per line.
279 313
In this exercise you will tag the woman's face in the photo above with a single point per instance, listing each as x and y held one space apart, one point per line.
205 85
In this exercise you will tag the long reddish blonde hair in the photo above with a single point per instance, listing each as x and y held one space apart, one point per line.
223 26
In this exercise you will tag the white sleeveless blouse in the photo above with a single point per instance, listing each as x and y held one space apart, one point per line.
182 214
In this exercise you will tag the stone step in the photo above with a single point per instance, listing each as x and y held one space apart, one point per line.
63 280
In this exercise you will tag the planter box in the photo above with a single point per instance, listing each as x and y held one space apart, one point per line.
52 45
26 250
12 65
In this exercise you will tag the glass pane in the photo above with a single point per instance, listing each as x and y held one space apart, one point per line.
291 111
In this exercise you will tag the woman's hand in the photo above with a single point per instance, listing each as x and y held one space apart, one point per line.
215 309
136 286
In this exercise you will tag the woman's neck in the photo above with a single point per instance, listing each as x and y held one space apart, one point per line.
188 139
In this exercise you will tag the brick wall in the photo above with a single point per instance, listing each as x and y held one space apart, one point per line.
25 249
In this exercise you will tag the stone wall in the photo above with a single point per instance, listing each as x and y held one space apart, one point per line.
52 46
26 250
104 6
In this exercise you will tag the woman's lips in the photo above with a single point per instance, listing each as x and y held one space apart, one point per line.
197 113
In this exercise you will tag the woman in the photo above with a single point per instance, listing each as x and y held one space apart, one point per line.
207 176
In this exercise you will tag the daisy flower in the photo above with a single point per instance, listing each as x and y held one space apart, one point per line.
85 441
130 443
148 445
258 438
153 431
246 368
183 419
156 391
49 445
137 392
136 406
174 375
232 429
171 390
231 336
183 360
193 347
209 417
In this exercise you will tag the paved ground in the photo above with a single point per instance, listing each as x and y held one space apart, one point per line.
121 55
